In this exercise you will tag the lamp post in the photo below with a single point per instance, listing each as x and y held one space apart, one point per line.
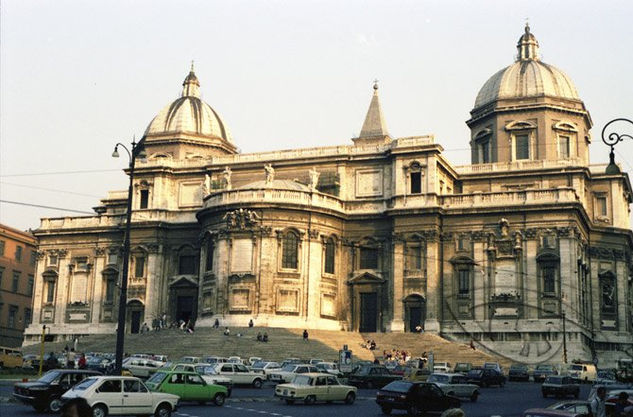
564 339
611 140
137 150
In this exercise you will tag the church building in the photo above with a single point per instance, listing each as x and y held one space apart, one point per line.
528 244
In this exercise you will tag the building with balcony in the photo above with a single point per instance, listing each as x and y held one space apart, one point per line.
382 234
18 258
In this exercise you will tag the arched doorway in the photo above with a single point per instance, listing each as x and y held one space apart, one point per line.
135 315
415 312
183 300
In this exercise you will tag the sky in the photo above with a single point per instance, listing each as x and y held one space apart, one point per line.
76 77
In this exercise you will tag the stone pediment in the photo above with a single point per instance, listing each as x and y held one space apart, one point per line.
366 277
185 281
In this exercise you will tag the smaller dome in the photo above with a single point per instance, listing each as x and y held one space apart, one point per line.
527 77
189 114
276 184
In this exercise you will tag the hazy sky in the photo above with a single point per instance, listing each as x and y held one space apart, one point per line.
78 76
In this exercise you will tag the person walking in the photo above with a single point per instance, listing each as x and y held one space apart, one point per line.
305 335
598 407
81 363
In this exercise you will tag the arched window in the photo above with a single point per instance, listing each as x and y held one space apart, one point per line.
290 250
328 266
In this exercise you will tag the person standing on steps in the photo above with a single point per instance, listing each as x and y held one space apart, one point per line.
250 323
305 335
216 325
227 332
265 337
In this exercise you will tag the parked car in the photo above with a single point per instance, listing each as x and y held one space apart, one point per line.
266 368
372 376
328 368
463 367
141 367
493 365
542 371
399 370
190 359
416 374
253 359
486 377
545 412
189 386
518 372
121 395
312 387
10 358
583 372
441 367
455 385
214 359
415 397
98 363
45 393
205 370
288 372
560 386
314 361
239 374
573 406
234 359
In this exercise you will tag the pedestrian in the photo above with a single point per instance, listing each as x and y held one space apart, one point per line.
155 324
81 363
259 336
227 332
472 344
598 407
305 335
70 364
163 322
372 345
250 323
265 337
76 343
622 407
51 361
216 324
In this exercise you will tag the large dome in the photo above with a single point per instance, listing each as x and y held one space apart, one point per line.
527 77
189 114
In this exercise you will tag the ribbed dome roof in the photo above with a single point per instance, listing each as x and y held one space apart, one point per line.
527 77
189 114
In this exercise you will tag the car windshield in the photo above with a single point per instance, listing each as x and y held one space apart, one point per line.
398 386
259 365
84 384
206 370
157 378
554 380
324 366
442 379
49 377
289 368
576 367
302 380
544 368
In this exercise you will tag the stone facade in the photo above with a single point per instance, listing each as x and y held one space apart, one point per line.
382 235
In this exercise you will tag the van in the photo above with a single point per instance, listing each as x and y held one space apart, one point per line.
583 372
10 358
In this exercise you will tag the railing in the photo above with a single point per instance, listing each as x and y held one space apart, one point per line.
504 198
314 199
518 166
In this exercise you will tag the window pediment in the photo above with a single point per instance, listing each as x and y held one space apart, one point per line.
366 278
520 125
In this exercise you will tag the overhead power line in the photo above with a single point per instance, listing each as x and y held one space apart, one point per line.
87 171
21 203
49 189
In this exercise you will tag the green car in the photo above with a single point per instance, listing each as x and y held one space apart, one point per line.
189 386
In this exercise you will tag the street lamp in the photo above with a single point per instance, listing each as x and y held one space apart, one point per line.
137 151
611 140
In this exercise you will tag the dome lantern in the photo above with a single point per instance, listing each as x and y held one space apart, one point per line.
191 85
527 46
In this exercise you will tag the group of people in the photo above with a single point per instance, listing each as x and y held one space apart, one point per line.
262 337
622 406
369 344
400 356
72 360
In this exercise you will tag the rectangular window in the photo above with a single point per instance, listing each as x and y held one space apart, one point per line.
50 291
52 260
485 152
464 281
18 253
187 265
564 147
33 259
29 288
144 198
416 182
27 316
139 267
1 272
13 313
16 281
549 279
81 263
602 205
522 144
368 258
110 286
2 247
113 258
210 253
328 267
414 258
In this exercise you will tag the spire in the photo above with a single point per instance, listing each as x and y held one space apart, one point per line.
527 46
191 85
374 126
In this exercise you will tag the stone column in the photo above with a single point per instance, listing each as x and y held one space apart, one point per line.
432 324
397 324
313 295
152 285
567 265
479 282
97 287
532 296
61 296
621 282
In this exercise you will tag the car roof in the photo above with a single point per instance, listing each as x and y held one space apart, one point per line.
314 374
115 377
447 374
77 371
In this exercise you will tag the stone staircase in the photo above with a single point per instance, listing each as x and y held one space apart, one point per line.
443 350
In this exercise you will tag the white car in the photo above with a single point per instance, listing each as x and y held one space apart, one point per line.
190 359
288 372
239 374
121 395
455 384
441 367
234 359
253 359
266 368
140 367
328 367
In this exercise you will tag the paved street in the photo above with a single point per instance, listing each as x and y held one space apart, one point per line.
509 401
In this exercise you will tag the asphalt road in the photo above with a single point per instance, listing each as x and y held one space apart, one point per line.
509 401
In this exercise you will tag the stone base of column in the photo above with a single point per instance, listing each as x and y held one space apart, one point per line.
432 326
396 326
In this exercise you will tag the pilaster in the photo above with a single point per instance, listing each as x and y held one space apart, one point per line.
397 324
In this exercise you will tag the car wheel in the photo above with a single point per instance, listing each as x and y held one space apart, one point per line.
350 398
474 396
413 410
290 402
369 385
386 409
219 399
163 410
99 410
310 399
257 383
55 405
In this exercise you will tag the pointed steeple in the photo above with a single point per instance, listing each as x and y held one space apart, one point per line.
527 46
191 85
374 128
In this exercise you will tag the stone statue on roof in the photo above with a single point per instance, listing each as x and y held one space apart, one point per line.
314 178
226 174
270 173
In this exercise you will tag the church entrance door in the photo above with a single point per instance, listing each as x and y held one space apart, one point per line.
368 312
415 312
135 326
135 313
183 300
184 308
